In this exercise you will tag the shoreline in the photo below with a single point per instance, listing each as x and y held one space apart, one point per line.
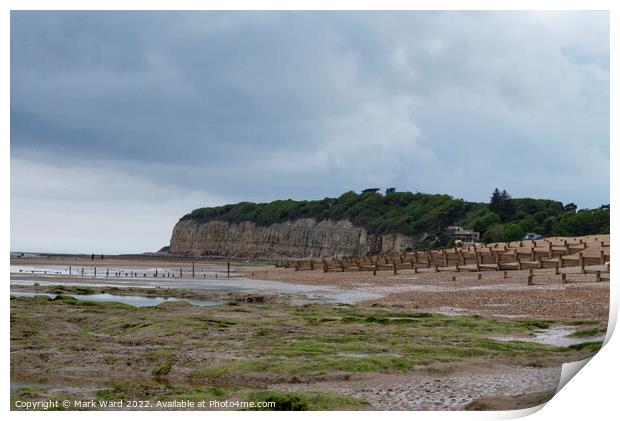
330 340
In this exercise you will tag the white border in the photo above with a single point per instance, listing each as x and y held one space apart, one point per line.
592 395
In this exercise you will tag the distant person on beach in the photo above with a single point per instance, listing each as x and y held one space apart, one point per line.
92 256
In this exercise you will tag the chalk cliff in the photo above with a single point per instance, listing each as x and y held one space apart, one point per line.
299 238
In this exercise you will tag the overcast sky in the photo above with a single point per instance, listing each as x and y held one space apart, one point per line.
123 122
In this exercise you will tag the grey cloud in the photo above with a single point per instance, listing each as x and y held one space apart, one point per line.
259 106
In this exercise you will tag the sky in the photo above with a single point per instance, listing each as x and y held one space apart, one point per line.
122 122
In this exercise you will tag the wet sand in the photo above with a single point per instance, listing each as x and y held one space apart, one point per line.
493 294
467 387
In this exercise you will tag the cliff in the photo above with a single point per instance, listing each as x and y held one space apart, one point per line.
300 238
371 223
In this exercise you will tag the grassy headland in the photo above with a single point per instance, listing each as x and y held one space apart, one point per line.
418 214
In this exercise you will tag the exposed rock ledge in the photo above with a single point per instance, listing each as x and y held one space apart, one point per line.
300 238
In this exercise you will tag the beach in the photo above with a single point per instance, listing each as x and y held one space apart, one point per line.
148 328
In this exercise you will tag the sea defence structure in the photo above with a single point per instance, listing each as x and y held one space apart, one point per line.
574 257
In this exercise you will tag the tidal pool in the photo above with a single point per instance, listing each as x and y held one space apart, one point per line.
132 300
322 293
556 336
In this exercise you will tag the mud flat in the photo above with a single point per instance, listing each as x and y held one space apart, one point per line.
301 356
492 295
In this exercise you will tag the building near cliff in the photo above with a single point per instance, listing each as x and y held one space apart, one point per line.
533 236
463 235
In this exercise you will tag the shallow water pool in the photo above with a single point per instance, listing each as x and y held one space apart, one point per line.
132 300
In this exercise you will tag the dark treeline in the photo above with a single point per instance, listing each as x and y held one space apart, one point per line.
502 219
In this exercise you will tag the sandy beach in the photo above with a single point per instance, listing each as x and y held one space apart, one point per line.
334 340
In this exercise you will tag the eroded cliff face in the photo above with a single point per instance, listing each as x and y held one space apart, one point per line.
300 238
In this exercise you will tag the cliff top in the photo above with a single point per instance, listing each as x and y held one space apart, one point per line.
504 218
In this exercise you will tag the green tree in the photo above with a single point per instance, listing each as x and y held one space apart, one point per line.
513 232
548 225
584 222
493 234
423 215
528 225
501 203
496 201
482 223
570 207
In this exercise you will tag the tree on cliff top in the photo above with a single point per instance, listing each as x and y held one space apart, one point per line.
502 204
420 214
